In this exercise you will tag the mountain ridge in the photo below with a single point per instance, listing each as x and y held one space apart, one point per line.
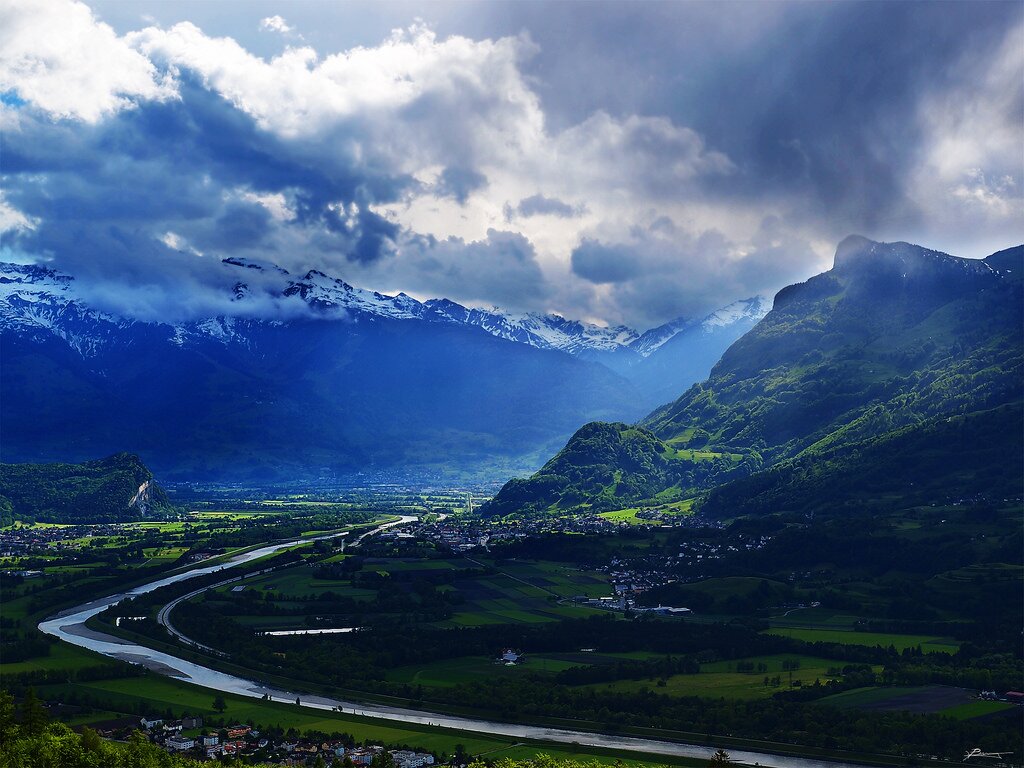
325 295
892 336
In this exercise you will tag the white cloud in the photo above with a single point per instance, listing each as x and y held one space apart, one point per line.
972 166
57 56
276 24
12 220
276 204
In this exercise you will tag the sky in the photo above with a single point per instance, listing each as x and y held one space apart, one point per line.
615 162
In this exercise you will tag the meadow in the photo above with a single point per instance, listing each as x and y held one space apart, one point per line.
927 643
480 592
722 680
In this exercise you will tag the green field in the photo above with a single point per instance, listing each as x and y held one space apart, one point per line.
62 656
928 643
521 593
957 703
721 680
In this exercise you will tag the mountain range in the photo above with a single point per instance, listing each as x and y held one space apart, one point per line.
895 343
339 380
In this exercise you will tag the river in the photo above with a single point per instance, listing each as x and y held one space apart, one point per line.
69 626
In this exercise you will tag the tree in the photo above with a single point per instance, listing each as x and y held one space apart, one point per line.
219 704
7 722
721 757
91 741
33 715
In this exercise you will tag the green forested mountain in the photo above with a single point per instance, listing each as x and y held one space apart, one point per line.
885 346
119 487
948 460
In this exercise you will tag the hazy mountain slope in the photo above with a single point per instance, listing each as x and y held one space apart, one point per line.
119 487
893 336
269 400
690 352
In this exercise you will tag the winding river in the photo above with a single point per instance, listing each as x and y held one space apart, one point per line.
69 626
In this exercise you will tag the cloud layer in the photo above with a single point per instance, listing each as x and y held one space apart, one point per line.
471 165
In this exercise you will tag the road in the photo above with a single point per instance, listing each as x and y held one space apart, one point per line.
69 626
164 616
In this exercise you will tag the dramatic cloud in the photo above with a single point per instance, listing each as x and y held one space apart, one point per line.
504 160
60 58
659 268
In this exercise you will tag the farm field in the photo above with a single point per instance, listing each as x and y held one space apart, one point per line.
559 579
721 680
815 618
61 657
450 672
522 593
958 703
928 643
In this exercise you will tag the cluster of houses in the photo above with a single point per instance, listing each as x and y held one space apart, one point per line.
187 736
24 541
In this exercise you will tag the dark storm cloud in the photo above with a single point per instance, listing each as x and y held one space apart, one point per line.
817 102
662 273
539 205
459 183
500 269
600 263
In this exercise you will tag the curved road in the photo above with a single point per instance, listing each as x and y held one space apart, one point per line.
164 616
69 626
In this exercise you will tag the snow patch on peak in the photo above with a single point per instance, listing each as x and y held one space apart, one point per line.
753 308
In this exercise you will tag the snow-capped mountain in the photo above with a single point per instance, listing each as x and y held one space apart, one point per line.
537 330
36 296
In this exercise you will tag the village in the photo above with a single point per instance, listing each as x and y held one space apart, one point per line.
188 736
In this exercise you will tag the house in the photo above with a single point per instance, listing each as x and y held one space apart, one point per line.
361 756
238 731
1014 697
508 656
179 743
405 758
211 740
191 722
151 721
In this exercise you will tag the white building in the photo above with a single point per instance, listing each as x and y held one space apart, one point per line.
407 759
180 743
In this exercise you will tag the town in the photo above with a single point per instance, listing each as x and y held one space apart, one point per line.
190 736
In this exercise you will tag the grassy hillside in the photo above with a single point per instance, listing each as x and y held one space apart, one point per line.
106 490
973 459
605 465
893 337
